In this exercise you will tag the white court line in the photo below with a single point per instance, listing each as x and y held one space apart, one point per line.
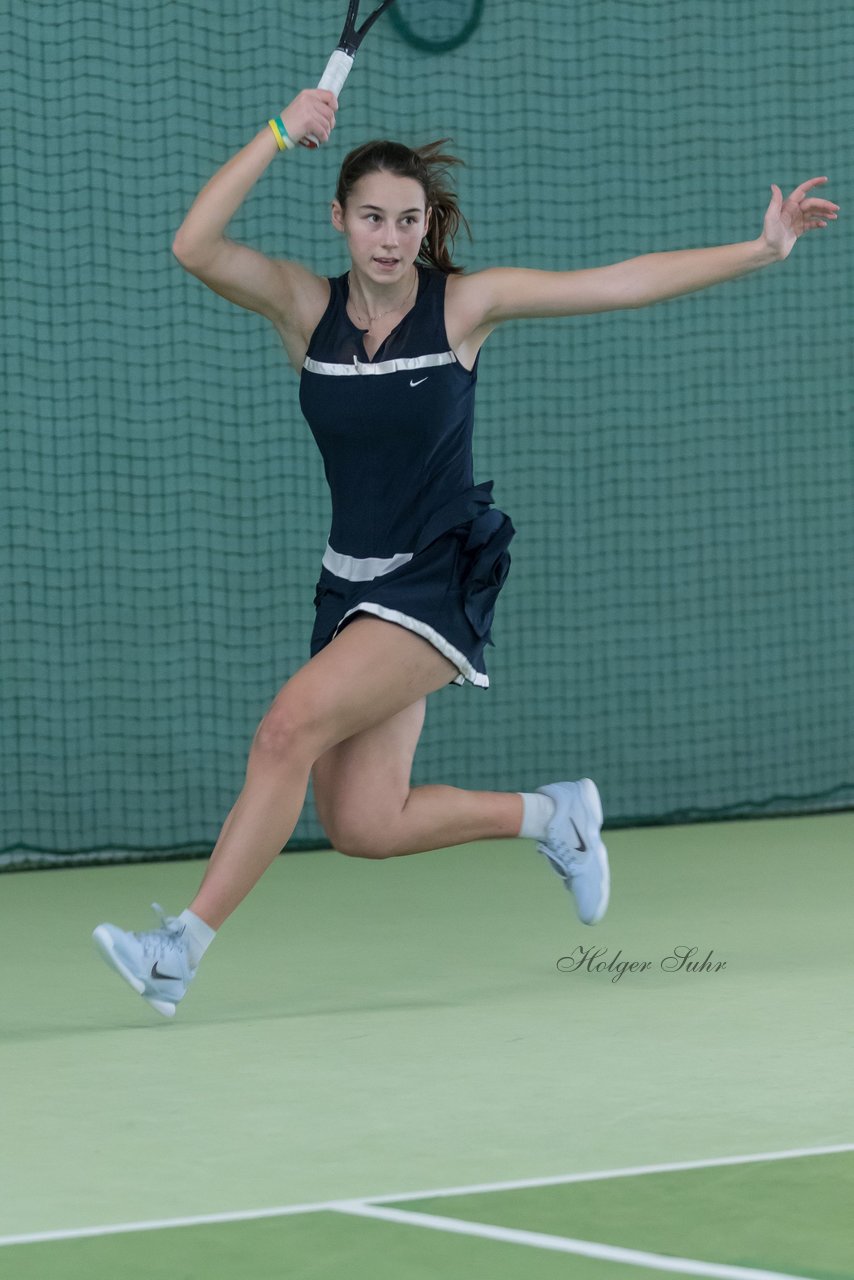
163 1224
247 1215
560 1179
565 1244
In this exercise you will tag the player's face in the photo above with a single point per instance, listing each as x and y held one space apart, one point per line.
385 221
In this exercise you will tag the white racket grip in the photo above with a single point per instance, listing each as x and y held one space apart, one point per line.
337 71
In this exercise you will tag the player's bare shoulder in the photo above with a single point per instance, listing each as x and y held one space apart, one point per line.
287 293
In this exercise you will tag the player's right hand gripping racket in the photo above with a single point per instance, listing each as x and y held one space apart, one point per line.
338 66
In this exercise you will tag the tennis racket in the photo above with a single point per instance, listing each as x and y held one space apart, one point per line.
437 27
338 66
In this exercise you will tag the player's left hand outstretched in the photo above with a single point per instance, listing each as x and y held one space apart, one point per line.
786 220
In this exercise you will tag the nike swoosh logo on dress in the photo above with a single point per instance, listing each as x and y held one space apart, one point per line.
418 383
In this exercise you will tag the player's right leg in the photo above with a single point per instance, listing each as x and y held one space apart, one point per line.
371 671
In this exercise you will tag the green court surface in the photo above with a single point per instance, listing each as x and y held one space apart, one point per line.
782 1217
366 1038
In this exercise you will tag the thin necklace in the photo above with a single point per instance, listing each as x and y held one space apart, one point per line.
371 319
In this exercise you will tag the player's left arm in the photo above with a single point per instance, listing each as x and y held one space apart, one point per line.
514 293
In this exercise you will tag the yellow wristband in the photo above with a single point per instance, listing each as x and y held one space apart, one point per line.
283 142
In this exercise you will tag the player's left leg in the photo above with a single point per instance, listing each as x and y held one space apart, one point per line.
368 809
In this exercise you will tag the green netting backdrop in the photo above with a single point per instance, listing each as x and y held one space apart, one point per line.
678 622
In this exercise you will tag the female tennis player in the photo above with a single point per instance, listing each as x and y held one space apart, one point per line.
387 356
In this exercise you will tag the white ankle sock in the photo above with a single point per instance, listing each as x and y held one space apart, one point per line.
537 812
199 935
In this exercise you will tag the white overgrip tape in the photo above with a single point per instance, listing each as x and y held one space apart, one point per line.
337 71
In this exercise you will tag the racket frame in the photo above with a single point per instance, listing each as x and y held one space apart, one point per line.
341 60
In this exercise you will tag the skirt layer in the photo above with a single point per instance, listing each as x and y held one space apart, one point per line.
446 593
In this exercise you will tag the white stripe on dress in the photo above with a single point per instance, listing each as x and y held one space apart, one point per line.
407 364
362 569
423 629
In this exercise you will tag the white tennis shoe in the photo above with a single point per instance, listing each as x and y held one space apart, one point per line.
156 964
574 846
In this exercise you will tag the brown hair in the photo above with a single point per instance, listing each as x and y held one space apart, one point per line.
427 165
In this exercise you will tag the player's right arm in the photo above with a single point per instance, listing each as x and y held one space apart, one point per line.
285 292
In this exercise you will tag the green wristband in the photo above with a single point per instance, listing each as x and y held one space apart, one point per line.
280 133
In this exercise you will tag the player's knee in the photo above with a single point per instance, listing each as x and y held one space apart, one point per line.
360 839
291 729
360 848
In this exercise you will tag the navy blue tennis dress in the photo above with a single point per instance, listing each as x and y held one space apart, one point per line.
413 540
